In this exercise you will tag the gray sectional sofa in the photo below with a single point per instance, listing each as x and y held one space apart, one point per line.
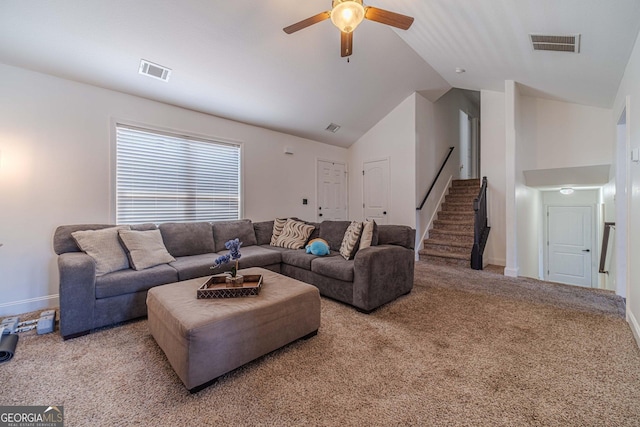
377 274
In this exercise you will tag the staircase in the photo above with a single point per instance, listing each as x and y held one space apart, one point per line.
451 238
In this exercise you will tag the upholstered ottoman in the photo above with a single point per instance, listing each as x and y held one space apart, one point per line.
206 338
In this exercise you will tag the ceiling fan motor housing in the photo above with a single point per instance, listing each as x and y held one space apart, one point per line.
347 14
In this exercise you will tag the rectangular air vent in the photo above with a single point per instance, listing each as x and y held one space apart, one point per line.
556 43
154 70
333 127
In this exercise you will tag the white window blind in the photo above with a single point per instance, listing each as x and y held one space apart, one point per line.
169 178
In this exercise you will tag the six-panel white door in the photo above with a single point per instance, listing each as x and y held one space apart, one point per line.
332 195
569 248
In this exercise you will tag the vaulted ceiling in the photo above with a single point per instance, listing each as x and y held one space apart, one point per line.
232 59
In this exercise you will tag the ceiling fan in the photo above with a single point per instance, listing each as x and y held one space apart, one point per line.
347 15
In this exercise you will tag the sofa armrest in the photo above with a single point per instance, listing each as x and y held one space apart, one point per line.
77 293
382 273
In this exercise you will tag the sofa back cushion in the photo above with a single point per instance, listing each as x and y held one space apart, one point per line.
228 230
333 232
63 242
264 231
188 238
399 235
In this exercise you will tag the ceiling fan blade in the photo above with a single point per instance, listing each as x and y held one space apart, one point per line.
390 18
307 22
346 44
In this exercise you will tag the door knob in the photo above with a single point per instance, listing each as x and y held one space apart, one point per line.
586 250
319 214
384 213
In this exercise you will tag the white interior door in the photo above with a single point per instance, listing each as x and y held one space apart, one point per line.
569 245
376 191
332 191
465 146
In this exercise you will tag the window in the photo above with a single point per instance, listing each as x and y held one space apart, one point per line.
163 178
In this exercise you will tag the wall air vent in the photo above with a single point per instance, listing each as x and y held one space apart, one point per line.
154 70
556 43
333 127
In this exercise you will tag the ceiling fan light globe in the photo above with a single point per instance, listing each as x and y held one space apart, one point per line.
347 15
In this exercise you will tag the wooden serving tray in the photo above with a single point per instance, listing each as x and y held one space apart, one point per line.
216 287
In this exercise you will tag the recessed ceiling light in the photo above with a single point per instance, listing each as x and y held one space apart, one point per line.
460 70
566 190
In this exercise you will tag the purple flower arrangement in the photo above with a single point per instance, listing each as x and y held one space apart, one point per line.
234 255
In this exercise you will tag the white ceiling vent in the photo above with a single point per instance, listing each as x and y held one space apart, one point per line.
556 43
332 127
154 70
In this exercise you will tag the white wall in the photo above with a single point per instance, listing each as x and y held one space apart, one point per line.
561 134
55 146
492 165
511 107
630 87
393 137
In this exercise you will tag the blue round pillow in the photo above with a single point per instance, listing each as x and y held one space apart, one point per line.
318 247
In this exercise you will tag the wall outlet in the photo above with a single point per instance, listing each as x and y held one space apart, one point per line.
635 155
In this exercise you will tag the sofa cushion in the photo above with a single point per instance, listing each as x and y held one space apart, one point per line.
264 231
104 247
335 267
129 281
399 235
228 230
145 248
187 238
350 240
294 234
257 256
278 226
299 258
193 266
333 232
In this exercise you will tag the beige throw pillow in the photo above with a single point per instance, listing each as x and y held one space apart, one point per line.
294 234
350 240
366 237
146 248
278 226
104 247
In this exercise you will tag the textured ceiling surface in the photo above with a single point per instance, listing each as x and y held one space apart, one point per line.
232 59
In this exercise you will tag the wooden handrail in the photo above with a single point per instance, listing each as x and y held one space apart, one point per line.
419 208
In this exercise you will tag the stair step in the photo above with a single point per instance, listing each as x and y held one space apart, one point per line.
464 216
457 207
457 235
447 261
466 182
448 245
459 198
464 190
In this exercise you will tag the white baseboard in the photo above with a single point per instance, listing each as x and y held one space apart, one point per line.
27 305
497 261
635 327
511 272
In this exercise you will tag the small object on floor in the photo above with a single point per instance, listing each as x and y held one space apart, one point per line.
9 325
46 322
8 343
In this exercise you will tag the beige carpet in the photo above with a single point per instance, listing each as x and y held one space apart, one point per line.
463 349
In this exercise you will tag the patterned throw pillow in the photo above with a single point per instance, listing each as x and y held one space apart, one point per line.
350 240
294 234
104 247
368 229
278 226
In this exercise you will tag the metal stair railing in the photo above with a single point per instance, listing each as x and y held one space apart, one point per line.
481 227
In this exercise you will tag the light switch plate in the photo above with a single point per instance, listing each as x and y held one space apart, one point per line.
635 155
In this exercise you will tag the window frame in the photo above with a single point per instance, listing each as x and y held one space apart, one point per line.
189 135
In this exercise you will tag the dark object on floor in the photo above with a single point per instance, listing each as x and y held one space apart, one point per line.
8 345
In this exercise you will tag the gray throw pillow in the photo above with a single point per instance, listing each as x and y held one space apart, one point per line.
104 247
146 248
